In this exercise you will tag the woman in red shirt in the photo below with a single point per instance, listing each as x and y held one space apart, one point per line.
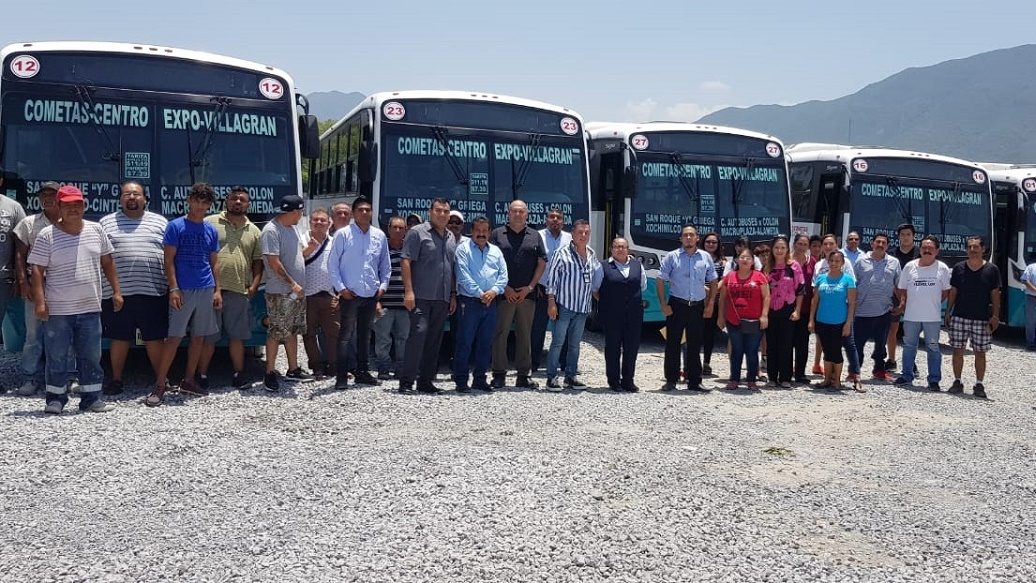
744 305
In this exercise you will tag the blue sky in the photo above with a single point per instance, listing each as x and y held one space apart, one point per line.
608 60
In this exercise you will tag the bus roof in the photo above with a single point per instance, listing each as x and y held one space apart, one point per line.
600 130
142 49
1010 172
814 152
375 101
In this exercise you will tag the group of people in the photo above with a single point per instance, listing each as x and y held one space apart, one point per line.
782 292
344 279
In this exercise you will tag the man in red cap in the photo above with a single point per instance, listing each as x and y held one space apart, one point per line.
67 260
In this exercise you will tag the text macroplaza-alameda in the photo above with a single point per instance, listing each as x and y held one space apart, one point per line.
472 149
138 116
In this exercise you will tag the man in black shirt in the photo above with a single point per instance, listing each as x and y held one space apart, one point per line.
975 287
905 251
526 258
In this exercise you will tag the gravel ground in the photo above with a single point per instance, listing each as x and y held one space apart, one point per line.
367 485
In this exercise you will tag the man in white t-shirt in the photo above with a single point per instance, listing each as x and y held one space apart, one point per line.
924 285
67 259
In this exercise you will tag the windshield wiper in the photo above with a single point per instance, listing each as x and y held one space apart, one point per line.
518 177
906 210
199 158
692 193
113 154
440 134
945 210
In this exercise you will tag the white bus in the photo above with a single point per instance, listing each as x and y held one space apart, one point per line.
838 189
95 114
1014 192
480 151
650 179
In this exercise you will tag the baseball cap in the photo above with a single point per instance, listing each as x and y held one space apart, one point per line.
291 202
49 185
458 214
69 193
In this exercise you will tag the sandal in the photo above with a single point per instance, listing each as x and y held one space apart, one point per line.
156 397
857 386
751 385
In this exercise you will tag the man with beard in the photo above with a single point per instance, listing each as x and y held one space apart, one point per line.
136 236
240 271
554 237
923 286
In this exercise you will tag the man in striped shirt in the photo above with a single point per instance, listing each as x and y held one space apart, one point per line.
136 236
67 260
569 281
391 318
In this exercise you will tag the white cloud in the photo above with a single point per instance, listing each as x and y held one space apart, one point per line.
689 111
641 111
714 86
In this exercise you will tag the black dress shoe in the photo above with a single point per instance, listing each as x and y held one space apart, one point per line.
616 388
429 389
698 389
482 386
631 389
526 383
498 381
405 388
342 383
463 389
365 378
669 387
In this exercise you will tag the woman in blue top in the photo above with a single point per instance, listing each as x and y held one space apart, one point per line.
831 315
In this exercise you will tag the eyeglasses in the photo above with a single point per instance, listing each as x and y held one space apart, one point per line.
454 223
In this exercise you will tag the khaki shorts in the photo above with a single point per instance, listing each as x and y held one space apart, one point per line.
287 317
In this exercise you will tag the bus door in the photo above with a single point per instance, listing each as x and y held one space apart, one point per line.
609 187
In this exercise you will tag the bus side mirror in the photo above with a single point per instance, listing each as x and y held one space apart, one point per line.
629 182
309 137
367 165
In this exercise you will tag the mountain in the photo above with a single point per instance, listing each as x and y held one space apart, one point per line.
980 108
332 104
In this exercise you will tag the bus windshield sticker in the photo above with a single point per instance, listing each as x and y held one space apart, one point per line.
230 123
979 176
106 114
394 110
569 126
1029 185
136 165
25 66
478 184
860 165
773 150
271 88
639 142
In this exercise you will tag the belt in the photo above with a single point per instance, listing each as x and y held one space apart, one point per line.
690 303
326 293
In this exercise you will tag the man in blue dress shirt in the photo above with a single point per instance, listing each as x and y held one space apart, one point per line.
360 268
481 277
691 275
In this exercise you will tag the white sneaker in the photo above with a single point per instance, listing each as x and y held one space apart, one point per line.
27 390
53 408
99 407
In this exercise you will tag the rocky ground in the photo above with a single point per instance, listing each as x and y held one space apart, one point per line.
367 485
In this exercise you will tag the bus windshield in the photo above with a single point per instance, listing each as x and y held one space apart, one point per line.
748 199
481 172
949 210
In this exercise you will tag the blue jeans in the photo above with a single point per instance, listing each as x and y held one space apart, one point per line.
911 337
1030 321
569 326
743 347
80 333
476 324
32 350
392 329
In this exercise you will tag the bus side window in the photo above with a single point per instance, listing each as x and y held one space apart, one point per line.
803 193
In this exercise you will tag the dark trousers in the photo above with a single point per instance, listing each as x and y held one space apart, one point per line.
539 331
779 335
476 324
621 345
687 319
708 338
831 340
354 338
421 357
875 328
800 340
